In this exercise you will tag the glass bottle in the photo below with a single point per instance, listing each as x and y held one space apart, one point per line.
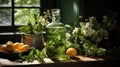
56 36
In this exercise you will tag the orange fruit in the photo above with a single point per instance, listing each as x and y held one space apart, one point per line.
18 45
72 52
9 47
25 47
17 50
3 47
9 42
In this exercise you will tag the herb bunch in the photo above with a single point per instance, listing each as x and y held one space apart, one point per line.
34 54
38 26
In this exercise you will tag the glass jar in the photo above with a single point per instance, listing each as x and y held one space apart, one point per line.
56 35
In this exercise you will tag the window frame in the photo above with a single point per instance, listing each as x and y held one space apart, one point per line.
13 27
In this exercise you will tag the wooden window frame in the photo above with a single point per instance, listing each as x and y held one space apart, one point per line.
13 27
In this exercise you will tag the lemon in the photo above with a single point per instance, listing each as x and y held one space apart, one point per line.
3 47
17 50
18 45
25 47
9 42
9 47
72 52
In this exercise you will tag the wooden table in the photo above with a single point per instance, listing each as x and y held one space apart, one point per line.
79 61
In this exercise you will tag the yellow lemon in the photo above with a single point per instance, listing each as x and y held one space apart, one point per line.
10 42
3 47
25 47
17 50
18 45
9 47
72 52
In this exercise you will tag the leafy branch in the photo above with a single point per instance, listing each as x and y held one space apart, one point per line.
34 54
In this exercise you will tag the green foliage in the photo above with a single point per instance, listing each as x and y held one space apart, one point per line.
36 27
34 54
92 50
27 2
27 29
22 16
110 21
86 34
5 2
62 58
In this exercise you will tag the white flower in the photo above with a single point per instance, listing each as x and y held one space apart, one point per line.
42 21
67 36
92 19
87 25
90 32
75 30
82 24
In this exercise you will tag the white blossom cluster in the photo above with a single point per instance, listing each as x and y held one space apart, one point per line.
90 33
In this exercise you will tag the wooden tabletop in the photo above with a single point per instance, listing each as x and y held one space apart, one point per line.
6 62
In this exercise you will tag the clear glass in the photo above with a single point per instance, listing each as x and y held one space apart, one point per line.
5 17
27 2
23 16
56 35
5 2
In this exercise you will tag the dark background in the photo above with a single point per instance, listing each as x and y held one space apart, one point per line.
98 8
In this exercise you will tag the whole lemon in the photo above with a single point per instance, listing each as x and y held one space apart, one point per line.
72 52
17 50
3 47
9 47
25 47
10 42
18 45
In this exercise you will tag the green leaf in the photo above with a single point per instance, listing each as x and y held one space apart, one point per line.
34 54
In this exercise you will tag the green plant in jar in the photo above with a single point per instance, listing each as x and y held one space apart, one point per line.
56 36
